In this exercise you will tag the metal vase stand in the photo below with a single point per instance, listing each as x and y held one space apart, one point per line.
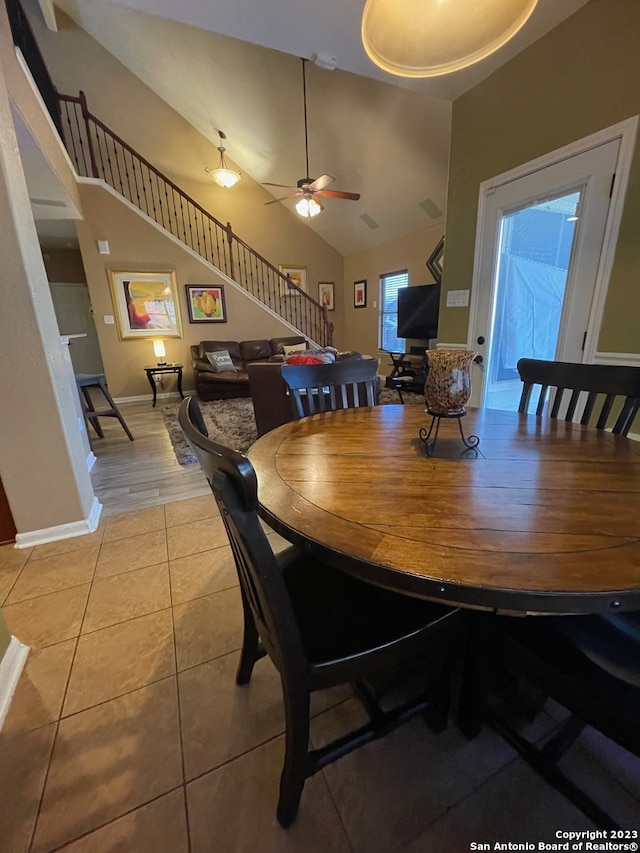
470 442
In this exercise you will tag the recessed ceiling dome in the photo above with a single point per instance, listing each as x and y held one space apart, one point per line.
427 38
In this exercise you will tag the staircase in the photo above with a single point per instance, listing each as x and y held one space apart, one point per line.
99 153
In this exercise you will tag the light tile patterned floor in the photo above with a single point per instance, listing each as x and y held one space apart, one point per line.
127 732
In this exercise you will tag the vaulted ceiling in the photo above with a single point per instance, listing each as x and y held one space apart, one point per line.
234 65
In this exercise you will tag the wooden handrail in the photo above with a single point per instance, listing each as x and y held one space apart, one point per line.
188 221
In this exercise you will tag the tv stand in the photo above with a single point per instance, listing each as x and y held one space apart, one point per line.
409 372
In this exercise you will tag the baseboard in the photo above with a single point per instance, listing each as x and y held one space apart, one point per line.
91 460
139 398
11 667
61 531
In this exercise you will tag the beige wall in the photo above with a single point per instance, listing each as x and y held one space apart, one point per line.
46 481
146 122
137 245
357 328
581 77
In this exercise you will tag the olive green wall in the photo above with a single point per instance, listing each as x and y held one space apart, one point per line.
581 77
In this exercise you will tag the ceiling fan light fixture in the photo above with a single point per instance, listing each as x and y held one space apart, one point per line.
428 38
223 175
308 207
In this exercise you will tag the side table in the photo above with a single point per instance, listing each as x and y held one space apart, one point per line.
153 369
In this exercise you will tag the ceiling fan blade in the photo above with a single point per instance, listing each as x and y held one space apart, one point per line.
321 182
339 194
284 186
283 198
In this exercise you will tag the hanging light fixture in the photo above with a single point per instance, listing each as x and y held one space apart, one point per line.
223 175
427 38
308 206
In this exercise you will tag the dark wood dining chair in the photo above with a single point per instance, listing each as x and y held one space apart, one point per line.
589 391
589 664
320 627
326 387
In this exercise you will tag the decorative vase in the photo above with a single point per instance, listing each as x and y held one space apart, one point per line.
448 385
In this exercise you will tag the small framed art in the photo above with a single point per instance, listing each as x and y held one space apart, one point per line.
326 295
360 294
205 303
436 260
298 276
145 304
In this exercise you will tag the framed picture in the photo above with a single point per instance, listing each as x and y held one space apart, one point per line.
360 294
298 276
325 295
205 303
436 260
145 304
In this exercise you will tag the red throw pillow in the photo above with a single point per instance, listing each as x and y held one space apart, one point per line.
303 359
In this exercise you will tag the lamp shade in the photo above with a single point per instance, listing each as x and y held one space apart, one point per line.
308 207
427 38
223 175
158 349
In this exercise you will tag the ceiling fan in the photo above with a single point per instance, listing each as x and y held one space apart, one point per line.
310 190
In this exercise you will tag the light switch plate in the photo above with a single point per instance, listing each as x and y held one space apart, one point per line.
457 299
108 319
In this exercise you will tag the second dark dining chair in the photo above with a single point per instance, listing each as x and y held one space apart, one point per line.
320 627
327 387
589 664
588 390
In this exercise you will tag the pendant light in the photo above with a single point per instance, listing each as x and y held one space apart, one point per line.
223 175
427 38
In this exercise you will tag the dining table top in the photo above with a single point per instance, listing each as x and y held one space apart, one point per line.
543 518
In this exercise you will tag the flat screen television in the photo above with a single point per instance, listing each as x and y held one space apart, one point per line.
418 309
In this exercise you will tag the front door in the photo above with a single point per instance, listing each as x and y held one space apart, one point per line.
543 237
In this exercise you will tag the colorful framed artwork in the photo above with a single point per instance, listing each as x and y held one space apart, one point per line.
326 295
145 304
298 276
205 303
360 294
436 260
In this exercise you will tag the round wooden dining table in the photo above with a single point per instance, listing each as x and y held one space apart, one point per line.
543 518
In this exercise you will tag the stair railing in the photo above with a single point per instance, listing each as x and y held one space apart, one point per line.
99 153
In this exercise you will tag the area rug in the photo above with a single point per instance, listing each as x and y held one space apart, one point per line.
229 422
232 422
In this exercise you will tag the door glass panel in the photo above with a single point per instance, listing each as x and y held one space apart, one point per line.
535 245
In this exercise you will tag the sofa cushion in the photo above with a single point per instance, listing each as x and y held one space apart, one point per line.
221 361
232 347
259 350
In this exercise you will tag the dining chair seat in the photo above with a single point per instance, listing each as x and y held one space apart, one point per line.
319 626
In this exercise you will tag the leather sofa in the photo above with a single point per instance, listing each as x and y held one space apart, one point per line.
212 385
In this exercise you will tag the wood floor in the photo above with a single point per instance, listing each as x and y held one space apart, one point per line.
130 475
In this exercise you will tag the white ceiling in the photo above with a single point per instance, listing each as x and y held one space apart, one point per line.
382 136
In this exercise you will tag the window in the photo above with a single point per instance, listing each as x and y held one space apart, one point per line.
390 284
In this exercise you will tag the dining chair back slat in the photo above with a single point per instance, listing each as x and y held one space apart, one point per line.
315 388
594 390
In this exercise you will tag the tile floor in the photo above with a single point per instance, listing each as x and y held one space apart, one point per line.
127 732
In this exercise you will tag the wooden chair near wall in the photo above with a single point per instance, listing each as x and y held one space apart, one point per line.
317 388
589 664
320 627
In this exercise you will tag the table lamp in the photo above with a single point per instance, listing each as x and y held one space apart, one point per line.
159 352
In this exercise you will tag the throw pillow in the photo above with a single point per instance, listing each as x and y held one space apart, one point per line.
291 348
221 361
